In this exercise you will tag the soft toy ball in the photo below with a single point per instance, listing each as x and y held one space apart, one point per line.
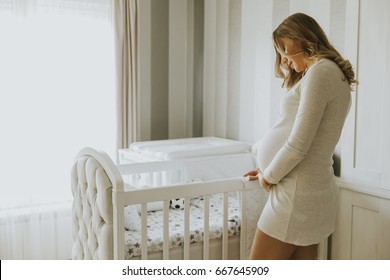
177 203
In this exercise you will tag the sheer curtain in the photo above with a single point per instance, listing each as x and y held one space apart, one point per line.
57 95
126 46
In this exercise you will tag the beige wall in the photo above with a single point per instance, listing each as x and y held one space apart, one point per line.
171 68
154 47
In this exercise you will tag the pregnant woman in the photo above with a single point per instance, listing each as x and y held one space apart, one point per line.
295 156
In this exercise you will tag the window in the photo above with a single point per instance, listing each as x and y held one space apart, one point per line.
57 94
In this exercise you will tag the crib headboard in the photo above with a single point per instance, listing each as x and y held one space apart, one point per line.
93 177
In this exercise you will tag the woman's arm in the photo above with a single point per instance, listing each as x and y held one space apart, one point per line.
315 94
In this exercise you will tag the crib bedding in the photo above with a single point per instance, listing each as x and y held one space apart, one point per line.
176 225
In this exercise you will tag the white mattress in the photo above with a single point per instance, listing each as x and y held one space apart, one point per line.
189 147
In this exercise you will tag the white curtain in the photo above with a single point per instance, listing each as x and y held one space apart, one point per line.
57 95
126 50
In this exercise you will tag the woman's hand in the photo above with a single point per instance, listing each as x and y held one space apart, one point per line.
253 174
265 184
256 174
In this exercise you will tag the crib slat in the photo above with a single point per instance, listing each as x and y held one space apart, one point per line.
225 227
166 231
182 174
144 232
186 228
156 180
243 226
206 235
176 175
169 177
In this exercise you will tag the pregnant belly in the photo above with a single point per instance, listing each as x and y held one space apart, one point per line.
269 146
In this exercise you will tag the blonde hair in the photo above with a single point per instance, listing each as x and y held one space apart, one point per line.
306 32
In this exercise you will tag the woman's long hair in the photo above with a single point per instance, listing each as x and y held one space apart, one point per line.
304 30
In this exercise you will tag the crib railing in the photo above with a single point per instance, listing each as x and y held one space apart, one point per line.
160 173
123 198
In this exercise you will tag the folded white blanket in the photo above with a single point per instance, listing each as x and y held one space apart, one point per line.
190 147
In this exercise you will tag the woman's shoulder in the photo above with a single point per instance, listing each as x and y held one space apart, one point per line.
326 74
326 65
324 68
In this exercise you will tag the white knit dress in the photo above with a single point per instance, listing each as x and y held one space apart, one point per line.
296 156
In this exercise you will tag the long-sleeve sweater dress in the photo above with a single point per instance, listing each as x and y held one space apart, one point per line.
296 156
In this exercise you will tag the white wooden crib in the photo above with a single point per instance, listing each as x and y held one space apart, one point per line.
113 220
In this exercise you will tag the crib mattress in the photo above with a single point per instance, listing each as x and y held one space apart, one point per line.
189 147
176 225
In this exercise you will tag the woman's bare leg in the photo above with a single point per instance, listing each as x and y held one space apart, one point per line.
265 247
305 252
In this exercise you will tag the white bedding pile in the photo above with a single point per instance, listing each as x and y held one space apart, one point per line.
189 147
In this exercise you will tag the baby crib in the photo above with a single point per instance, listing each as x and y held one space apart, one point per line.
116 215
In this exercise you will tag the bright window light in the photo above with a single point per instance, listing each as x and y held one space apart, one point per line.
57 94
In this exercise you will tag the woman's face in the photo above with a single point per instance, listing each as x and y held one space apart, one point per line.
292 56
